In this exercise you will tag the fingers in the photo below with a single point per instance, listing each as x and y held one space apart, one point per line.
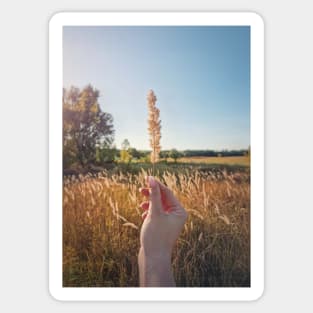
170 201
161 199
155 196
168 196
152 192
144 214
145 192
145 205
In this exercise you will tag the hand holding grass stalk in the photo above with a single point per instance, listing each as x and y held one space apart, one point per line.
164 218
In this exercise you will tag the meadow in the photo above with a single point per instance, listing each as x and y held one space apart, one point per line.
102 220
226 160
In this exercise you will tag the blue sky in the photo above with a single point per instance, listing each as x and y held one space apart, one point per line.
200 75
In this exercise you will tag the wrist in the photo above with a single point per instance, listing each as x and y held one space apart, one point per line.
159 255
155 270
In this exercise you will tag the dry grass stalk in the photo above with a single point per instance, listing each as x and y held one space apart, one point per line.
154 128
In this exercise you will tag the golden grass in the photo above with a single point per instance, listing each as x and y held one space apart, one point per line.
101 226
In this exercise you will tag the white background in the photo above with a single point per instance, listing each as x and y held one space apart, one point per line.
24 155
57 23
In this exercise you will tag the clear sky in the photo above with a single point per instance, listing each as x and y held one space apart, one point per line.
200 75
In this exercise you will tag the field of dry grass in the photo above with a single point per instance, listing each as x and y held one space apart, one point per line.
228 160
102 220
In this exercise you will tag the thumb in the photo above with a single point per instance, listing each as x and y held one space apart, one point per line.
155 196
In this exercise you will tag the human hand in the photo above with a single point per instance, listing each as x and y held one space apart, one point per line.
164 218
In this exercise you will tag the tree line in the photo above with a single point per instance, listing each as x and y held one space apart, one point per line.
88 135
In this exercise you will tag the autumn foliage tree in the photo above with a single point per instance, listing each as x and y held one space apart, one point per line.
86 127
125 155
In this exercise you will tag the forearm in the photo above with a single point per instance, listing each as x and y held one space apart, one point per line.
155 271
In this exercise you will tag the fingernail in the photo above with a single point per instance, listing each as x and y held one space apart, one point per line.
152 182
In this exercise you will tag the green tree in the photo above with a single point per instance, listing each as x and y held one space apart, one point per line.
164 155
85 125
125 144
106 155
174 154
135 153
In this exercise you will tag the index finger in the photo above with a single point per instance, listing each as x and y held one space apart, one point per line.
145 192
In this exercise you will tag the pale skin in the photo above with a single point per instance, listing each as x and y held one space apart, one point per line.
164 218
